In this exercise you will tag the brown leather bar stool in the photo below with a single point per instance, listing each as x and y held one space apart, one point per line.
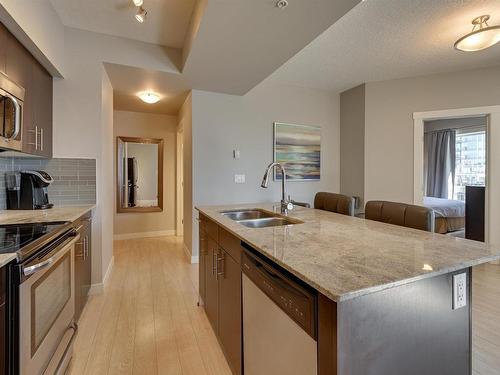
406 215
338 203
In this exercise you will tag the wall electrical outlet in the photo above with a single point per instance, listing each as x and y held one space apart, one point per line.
239 178
459 290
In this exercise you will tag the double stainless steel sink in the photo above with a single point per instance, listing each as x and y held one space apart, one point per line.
258 218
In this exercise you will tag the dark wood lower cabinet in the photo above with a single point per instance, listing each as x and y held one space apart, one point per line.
3 320
220 290
230 310
83 263
212 285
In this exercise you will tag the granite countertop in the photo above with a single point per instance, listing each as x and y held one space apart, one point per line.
70 213
7 258
345 257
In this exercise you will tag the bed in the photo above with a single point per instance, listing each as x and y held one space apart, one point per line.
450 214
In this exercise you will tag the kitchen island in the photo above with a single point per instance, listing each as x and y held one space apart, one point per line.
384 293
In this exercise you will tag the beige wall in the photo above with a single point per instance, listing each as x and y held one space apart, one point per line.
105 187
389 123
185 122
352 145
147 125
222 123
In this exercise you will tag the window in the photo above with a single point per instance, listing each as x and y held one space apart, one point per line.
470 161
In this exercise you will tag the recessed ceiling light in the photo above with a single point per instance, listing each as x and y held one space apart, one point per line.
141 15
138 3
481 37
149 97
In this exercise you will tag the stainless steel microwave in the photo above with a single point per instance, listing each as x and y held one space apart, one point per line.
11 114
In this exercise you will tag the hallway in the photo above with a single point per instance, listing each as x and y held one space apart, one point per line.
147 320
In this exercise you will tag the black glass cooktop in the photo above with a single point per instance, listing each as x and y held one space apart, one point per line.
15 238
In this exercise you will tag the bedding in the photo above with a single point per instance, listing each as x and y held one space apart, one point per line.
450 214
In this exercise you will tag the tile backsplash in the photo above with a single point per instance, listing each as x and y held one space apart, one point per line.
74 179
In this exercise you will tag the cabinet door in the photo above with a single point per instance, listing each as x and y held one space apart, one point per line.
18 61
3 47
3 321
230 310
87 262
211 285
79 270
43 109
202 265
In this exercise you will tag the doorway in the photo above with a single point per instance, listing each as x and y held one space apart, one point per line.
485 278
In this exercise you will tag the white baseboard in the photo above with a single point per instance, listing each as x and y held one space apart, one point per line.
99 287
192 259
158 233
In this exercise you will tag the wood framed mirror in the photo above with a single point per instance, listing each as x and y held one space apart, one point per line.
139 173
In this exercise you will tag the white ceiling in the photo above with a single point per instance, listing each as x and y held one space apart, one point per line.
166 24
241 42
127 82
388 39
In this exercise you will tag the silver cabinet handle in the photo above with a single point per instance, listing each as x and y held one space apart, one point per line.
216 256
41 139
213 262
38 267
223 260
36 137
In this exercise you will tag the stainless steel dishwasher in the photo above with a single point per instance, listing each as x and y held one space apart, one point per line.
279 321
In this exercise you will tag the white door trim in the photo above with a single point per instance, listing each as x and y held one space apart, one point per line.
492 180
179 227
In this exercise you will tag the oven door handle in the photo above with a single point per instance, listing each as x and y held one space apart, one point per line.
56 254
38 267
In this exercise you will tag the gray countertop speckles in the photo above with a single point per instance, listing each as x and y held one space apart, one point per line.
345 257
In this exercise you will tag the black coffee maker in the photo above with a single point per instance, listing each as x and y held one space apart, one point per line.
27 190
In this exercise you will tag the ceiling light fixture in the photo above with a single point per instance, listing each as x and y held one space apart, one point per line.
481 37
149 97
141 15
138 3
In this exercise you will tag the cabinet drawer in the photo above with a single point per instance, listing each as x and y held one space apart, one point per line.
231 244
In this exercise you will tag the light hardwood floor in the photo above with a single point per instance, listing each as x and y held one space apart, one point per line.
147 321
486 320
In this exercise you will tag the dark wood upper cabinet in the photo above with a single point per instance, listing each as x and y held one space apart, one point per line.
22 68
3 47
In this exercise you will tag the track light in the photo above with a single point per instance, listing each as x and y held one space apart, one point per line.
141 15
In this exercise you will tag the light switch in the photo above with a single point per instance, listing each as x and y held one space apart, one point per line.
236 154
239 178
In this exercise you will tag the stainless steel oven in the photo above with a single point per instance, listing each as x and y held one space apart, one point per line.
46 307
11 114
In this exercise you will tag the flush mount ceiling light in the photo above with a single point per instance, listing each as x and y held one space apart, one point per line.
149 97
138 3
481 37
141 14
